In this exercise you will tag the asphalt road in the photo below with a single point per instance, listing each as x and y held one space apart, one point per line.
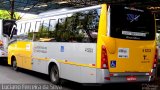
10 79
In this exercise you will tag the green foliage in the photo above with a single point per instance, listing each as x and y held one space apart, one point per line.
6 15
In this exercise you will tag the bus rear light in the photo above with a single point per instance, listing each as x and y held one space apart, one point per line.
107 78
104 58
155 59
111 75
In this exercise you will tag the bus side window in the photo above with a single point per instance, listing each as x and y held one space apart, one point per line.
19 26
23 28
78 27
7 27
37 26
33 26
44 33
34 30
60 31
28 26
51 31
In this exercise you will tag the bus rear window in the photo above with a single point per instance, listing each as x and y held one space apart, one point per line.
132 23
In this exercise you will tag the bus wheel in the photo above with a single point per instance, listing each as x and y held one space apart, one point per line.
14 65
54 75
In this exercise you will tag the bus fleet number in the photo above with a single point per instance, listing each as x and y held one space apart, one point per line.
89 50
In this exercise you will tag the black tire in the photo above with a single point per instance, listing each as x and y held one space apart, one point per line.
14 65
54 75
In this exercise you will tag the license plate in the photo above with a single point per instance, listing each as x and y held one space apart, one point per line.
131 78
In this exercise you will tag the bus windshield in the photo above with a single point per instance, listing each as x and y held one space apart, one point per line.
8 26
131 23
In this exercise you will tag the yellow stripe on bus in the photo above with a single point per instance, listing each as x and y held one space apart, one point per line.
67 62
46 59
76 64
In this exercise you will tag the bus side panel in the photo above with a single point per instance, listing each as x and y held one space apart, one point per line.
25 54
22 51
40 65
77 60
70 72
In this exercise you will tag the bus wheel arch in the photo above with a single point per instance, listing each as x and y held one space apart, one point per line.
14 63
54 73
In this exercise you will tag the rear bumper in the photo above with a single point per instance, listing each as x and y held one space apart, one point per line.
103 76
123 79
